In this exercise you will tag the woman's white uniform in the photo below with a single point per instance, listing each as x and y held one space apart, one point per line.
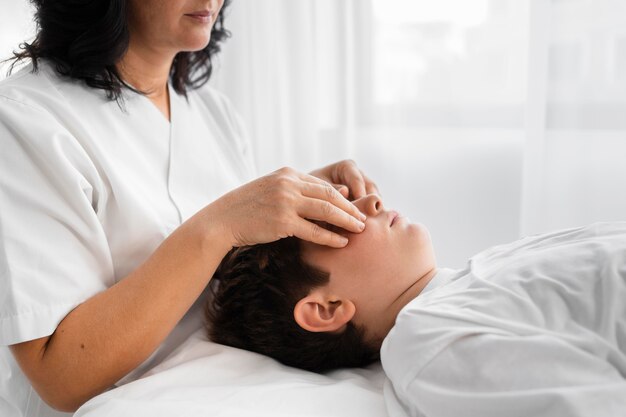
88 191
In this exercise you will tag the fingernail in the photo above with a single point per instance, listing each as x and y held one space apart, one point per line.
361 225
363 217
343 241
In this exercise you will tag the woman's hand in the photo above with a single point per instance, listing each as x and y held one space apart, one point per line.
283 204
346 177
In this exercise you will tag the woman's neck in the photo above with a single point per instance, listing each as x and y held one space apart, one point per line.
148 72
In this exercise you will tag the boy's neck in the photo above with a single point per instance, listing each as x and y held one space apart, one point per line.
403 299
413 291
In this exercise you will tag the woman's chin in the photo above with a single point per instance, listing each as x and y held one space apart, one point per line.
196 43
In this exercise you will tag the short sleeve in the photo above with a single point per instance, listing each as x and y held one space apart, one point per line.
53 249
510 375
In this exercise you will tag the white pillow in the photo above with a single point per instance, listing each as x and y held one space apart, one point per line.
206 379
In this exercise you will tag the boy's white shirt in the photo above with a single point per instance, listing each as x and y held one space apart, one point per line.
535 327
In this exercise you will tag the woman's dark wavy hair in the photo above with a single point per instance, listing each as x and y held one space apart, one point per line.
84 39
252 308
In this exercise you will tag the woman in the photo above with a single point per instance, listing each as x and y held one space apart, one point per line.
120 193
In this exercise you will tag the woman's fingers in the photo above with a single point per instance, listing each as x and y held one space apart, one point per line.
315 233
288 203
349 174
343 190
370 186
316 209
316 188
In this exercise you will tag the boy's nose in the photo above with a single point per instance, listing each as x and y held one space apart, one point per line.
370 205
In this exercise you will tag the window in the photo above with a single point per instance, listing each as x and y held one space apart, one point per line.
449 63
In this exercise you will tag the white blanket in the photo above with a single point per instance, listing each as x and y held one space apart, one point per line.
203 379
532 328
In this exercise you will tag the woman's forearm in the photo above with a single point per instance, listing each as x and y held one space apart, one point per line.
110 334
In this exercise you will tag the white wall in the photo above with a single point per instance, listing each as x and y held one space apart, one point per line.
464 185
16 26
585 178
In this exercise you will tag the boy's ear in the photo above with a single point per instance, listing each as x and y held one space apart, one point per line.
318 313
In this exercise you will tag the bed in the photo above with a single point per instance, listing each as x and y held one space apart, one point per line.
205 379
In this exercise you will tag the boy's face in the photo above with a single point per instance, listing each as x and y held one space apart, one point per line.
380 270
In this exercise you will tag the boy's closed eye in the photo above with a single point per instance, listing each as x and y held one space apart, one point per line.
331 227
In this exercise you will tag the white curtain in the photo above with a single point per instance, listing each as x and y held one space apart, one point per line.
576 124
288 68
484 119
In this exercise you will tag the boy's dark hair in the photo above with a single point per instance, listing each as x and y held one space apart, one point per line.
252 308
85 39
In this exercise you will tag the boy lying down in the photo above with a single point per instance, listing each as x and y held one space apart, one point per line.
532 328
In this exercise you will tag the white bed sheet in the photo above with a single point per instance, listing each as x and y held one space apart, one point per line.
205 379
